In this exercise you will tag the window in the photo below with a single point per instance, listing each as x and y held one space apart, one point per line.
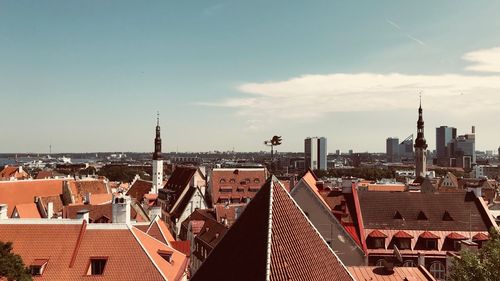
166 255
38 266
232 180
447 216
409 263
457 246
404 243
421 216
437 270
378 243
222 181
256 181
431 244
380 262
96 266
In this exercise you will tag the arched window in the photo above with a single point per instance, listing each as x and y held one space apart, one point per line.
256 180
437 270
409 263
222 181
232 180
380 262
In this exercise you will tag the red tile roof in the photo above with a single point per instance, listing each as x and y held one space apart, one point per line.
130 253
139 188
282 243
429 235
480 237
402 235
377 234
14 193
96 212
27 211
182 246
456 236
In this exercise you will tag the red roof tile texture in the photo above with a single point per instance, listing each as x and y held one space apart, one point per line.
139 188
281 236
22 192
124 249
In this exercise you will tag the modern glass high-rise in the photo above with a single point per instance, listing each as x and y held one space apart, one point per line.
444 137
315 150
392 149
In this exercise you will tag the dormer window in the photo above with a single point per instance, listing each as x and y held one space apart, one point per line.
232 180
447 216
421 216
256 181
38 266
222 181
431 244
397 216
166 255
97 266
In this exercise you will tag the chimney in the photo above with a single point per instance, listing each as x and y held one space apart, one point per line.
50 210
121 208
3 212
155 211
421 259
83 215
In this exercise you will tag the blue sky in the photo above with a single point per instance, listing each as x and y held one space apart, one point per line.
90 75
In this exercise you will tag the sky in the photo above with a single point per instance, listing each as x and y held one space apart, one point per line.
89 76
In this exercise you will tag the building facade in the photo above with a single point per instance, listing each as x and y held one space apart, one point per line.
444 144
315 150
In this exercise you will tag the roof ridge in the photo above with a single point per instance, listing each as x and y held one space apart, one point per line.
78 243
269 229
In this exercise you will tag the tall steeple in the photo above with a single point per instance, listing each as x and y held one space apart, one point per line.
157 153
420 146
157 160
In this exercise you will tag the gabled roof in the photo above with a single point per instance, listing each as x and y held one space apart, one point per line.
480 237
139 188
429 235
81 188
180 178
27 211
95 211
282 243
377 234
159 231
456 236
402 235
69 245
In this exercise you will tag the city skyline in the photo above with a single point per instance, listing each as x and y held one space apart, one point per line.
90 76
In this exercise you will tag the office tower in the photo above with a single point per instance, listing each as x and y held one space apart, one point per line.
444 138
392 149
315 150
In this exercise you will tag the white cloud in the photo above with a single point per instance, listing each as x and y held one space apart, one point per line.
309 96
486 60
316 95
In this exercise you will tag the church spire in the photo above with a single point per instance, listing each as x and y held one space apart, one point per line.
157 153
420 146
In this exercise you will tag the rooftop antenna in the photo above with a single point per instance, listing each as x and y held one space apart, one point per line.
157 118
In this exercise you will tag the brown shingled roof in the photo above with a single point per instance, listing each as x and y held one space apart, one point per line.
283 244
139 188
378 209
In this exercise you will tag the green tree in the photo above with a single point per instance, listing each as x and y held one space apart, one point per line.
11 265
481 266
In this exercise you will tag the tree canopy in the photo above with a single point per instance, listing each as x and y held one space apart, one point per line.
481 266
11 265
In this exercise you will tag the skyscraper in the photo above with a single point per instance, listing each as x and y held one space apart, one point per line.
392 149
420 147
157 161
444 148
315 150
